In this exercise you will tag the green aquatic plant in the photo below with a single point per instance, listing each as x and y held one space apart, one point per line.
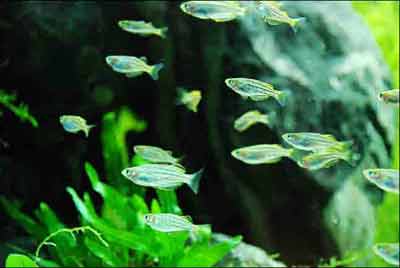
117 235
20 110
387 36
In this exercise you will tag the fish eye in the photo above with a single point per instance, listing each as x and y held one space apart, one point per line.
372 173
289 136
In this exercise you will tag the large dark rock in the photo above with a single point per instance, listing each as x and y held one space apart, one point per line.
332 69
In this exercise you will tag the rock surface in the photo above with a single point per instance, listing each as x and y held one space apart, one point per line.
245 255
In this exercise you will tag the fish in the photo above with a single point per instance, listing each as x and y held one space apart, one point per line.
386 179
190 99
324 159
142 28
133 66
309 141
74 124
217 11
250 118
261 154
390 96
388 251
255 90
156 155
272 14
167 222
162 177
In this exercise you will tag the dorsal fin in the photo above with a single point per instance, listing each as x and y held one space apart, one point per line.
143 59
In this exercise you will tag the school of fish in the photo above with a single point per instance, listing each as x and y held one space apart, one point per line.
310 150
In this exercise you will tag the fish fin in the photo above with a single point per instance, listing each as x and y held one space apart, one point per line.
282 97
133 74
346 144
167 188
155 69
180 92
87 130
259 97
294 23
143 58
163 32
194 181
272 22
264 119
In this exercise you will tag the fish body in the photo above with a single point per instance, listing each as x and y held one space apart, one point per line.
386 179
133 66
388 251
142 28
272 14
190 99
324 159
218 11
163 177
156 155
261 154
166 222
250 118
390 96
309 141
74 124
255 90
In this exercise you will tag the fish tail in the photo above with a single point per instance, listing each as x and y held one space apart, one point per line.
87 130
163 32
346 145
194 181
281 97
350 157
179 95
294 23
155 69
264 119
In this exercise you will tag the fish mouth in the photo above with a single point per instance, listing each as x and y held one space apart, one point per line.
287 137
111 60
185 7
128 173
229 82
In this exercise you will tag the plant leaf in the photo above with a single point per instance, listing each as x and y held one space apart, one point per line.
19 260
29 224
206 255
169 202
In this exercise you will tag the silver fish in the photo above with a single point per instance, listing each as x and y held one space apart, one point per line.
190 99
74 124
163 177
255 90
218 11
250 118
390 96
309 141
389 252
156 155
324 159
261 154
166 222
133 66
142 28
272 14
386 179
